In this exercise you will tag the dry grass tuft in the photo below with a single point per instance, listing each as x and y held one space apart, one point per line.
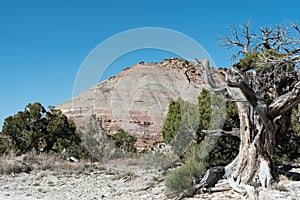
10 164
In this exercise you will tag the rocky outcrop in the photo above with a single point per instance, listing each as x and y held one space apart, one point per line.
137 99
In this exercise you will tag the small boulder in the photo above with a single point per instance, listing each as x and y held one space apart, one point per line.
72 159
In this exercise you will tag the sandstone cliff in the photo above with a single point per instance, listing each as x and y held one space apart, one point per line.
137 99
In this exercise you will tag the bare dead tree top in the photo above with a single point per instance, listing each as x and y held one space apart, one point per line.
284 39
271 56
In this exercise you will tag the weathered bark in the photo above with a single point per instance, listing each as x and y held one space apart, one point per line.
211 177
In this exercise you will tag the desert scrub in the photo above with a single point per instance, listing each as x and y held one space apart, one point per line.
51 183
180 180
14 167
10 164
125 141
281 188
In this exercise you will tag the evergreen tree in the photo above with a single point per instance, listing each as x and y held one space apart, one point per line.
41 130
204 105
172 121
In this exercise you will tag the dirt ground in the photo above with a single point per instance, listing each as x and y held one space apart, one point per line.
118 180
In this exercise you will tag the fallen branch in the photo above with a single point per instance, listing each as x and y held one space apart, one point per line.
211 177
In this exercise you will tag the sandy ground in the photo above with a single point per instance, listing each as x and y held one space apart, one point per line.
116 181
97 184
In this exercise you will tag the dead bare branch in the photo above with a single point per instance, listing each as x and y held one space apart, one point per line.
235 132
279 38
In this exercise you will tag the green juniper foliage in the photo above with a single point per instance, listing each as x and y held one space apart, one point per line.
180 181
189 120
188 127
124 140
287 150
5 145
204 151
172 121
41 130
204 107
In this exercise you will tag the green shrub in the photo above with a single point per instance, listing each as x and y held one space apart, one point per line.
204 109
180 180
185 121
96 139
16 167
204 151
180 125
287 149
281 188
125 141
226 149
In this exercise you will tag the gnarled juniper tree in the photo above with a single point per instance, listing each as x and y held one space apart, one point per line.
265 85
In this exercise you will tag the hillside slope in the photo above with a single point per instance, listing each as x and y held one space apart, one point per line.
137 99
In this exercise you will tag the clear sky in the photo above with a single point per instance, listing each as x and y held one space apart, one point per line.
43 43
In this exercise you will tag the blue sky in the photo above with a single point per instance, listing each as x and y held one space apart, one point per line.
43 43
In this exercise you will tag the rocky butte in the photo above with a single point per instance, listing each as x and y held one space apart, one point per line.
137 99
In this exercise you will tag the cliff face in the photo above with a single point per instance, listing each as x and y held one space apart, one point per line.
137 99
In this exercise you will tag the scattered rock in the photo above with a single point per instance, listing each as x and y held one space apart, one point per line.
72 159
